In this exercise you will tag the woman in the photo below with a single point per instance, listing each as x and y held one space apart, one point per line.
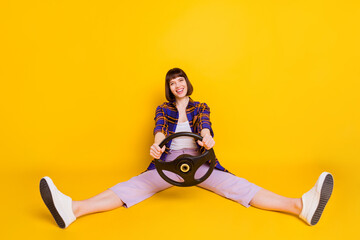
179 114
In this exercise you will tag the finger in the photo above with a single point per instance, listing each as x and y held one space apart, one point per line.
200 143
209 145
153 149
155 153
157 147
158 151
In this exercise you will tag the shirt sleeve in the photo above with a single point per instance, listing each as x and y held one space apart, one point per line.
204 116
161 124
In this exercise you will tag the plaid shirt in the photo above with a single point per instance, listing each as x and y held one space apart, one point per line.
166 118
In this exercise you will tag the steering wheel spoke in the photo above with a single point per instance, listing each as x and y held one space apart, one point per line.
189 177
200 160
167 166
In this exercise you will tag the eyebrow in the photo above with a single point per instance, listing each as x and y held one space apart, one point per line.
173 80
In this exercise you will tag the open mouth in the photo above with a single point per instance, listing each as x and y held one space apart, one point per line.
180 90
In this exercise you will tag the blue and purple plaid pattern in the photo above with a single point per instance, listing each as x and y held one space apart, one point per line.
167 115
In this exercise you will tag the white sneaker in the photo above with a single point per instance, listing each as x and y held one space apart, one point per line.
315 200
58 204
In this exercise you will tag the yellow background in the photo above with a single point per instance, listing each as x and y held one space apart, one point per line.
80 81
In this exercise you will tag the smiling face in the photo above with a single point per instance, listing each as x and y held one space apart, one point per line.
178 87
177 84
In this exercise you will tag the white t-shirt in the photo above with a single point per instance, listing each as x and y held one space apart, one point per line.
183 142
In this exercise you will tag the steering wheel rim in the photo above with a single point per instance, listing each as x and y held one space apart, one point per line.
185 165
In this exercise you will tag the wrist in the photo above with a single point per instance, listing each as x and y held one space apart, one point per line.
205 132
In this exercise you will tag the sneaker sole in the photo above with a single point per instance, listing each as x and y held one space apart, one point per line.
325 194
48 200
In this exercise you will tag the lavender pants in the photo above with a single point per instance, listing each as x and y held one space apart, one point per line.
148 183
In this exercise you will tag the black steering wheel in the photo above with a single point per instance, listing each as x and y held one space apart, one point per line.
185 165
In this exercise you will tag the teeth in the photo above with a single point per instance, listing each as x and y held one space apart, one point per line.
180 90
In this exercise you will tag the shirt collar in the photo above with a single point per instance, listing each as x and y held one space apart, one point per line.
191 102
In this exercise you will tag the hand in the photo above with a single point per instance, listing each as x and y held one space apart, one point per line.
156 151
208 142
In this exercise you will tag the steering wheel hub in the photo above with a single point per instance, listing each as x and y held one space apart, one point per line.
185 168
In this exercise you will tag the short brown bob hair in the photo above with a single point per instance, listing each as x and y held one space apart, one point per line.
174 73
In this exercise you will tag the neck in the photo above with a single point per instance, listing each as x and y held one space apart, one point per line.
182 102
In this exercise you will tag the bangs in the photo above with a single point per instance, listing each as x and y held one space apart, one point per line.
174 74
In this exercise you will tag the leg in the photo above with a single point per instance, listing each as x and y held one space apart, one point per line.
248 194
228 185
104 201
267 200
124 194
309 208
65 210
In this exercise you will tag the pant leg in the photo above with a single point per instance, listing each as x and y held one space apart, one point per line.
140 187
223 183
228 185
148 183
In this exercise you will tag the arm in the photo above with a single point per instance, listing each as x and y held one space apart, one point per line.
161 123
204 119
205 125
159 132
155 150
204 132
159 137
208 142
